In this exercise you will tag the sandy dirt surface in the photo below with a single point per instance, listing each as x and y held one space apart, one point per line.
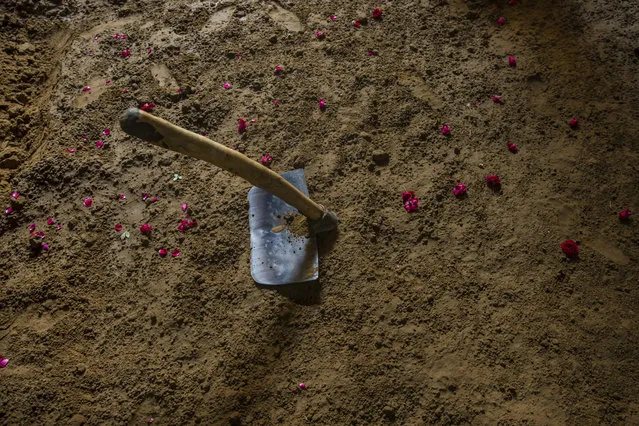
465 311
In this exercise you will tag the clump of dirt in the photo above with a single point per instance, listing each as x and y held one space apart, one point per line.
465 311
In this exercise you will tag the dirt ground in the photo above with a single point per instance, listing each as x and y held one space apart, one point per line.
465 311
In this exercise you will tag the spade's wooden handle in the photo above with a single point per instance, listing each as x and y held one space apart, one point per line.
166 135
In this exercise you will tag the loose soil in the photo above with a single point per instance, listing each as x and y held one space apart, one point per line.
465 311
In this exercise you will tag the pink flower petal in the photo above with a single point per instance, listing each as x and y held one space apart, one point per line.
107 82
227 85
267 160
377 13
241 125
184 207
148 50
154 199
106 132
96 38
125 91
322 104
99 144
8 211
70 150
357 24
45 247
84 138
86 88
88 202
147 107
146 229
162 252
303 386
50 221
498 100
180 91
320 35
459 189
118 227
332 17
145 196
32 227
58 227
15 195
122 197
493 180
445 130
574 123
175 253
407 195
501 21
276 102
125 53
512 61
512 148
278 69
625 215
3 361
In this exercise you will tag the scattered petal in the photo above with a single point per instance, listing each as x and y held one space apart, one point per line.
122 197
276 102
107 82
45 247
99 144
501 21
179 91
84 138
149 420
148 50
15 195
332 17
70 150
459 189
357 24
50 221
574 123
320 35
303 386
369 53
86 88
125 235
88 202
96 38
146 229
8 211
125 90
322 104
123 36
118 227
267 160
106 132
625 215
570 248
377 13
162 252
3 361
278 69
512 148
512 61
32 227
147 107
241 125
445 130
408 195
145 196
175 253
253 120
411 203
184 207
58 227
125 53
493 180
154 199
498 100
227 85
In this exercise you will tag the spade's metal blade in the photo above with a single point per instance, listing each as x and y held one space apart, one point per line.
279 257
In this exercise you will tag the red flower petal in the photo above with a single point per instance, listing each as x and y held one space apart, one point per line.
445 130
125 53
512 61
320 35
493 180
175 253
184 207
574 123
50 221
118 227
570 248
88 202
146 229
266 160
408 195
512 148
241 125
459 189
322 104
3 361
15 195
106 132
501 21
625 215
32 227
377 13
162 252
99 144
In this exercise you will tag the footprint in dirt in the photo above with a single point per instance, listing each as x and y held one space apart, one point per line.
284 17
